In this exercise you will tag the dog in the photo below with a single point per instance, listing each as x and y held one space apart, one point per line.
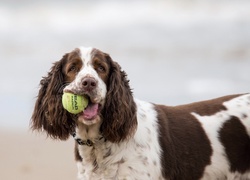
120 137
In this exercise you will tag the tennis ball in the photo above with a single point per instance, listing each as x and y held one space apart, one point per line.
74 103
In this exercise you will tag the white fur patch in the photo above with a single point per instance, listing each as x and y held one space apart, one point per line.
219 167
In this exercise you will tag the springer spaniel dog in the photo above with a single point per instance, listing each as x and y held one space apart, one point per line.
120 137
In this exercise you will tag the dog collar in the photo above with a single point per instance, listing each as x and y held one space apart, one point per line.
82 142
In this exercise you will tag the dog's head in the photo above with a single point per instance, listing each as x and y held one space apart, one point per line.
89 72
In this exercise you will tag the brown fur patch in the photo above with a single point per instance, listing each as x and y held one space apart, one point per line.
119 111
234 137
101 64
186 148
49 114
73 66
209 107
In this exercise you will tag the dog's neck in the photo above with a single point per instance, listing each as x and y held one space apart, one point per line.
88 132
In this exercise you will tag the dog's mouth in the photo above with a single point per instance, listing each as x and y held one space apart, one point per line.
90 114
91 111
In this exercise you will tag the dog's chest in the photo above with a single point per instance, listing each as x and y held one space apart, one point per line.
115 161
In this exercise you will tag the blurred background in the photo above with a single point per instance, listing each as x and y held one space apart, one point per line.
174 52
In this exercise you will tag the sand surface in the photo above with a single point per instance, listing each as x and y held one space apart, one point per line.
29 156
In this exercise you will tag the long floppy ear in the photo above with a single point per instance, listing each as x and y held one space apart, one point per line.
119 112
48 113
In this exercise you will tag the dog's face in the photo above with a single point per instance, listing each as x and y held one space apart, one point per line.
87 71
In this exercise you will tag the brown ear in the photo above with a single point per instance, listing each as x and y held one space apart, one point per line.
119 112
48 113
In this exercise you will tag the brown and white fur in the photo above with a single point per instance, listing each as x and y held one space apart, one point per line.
133 139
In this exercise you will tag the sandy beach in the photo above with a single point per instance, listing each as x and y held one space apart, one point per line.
25 155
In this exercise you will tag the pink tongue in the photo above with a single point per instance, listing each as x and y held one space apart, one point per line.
91 111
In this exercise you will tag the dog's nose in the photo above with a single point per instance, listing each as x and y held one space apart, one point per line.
89 84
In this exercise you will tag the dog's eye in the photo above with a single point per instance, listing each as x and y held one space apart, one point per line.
73 69
100 68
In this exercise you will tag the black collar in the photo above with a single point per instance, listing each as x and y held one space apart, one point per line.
82 142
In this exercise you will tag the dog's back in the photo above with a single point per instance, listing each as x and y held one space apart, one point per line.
208 139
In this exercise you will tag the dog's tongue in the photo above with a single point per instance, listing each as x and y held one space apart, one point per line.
91 111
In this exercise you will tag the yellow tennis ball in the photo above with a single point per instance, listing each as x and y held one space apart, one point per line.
74 103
